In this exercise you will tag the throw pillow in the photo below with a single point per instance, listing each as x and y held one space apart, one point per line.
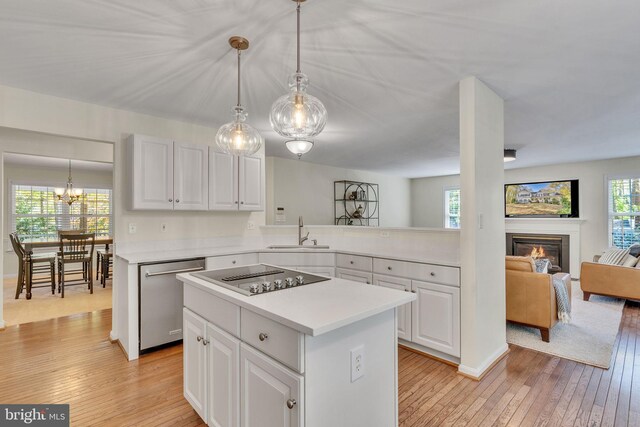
635 250
629 261
613 256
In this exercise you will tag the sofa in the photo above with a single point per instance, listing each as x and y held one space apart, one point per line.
531 297
609 280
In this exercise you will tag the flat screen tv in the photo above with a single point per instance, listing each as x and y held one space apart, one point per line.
551 199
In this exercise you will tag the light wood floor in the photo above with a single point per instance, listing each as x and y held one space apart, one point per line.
44 305
70 360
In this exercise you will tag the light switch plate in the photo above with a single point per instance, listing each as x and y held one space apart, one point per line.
251 225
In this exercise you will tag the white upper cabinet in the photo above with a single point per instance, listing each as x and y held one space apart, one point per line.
191 176
223 181
151 172
235 183
167 175
251 171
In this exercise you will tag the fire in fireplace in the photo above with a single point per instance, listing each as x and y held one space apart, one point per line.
554 247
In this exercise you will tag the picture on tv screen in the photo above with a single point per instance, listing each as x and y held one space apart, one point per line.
552 199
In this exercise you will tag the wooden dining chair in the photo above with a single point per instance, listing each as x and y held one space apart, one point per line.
70 271
76 248
30 264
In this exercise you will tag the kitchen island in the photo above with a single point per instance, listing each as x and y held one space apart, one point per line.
323 354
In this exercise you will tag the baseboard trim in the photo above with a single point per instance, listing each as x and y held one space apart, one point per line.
430 356
112 337
115 340
477 374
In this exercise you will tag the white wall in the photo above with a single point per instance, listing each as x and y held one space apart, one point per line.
427 199
21 174
307 189
594 232
25 110
482 246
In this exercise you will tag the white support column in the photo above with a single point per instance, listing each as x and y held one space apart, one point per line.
482 235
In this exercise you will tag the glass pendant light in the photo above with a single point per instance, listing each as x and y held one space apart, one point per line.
509 155
298 115
68 194
299 146
237 137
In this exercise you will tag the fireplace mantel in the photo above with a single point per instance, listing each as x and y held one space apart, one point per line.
570 226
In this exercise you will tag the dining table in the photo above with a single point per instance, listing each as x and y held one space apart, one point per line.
30 246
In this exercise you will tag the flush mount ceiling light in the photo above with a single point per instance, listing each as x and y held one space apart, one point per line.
509 155
299 146
237 137
68 194
298 115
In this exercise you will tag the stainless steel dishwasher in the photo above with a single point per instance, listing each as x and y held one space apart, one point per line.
160 299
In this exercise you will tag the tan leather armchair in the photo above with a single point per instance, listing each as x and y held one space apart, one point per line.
531 298
609 280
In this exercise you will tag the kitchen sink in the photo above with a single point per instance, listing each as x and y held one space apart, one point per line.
298 247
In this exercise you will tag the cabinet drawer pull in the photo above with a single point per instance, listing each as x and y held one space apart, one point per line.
368 282
389 268
350 262
291 403
242 203
236 202
433 274
233 262
177 200
263 336
199 338
413 292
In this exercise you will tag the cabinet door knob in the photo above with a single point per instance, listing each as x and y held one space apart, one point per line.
263 336
351 262
233 262
171 200
413 292
236 202
242 203
433 274
389 268
177 200
368 282
291 403
199 338
205 342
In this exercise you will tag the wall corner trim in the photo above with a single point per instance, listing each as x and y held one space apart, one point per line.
486 366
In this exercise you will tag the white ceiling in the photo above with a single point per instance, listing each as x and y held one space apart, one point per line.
386 70
55 163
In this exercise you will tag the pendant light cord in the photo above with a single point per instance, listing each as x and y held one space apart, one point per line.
69 179
298 38
239 77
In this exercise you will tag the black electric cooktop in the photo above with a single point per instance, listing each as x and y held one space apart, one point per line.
259 278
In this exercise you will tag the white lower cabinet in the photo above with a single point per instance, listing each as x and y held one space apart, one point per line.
223 372
403 313
323 271
436 317
271 393
354 275
230 384
194 359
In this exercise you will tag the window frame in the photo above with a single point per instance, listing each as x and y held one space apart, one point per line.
447 214
610 214
12 216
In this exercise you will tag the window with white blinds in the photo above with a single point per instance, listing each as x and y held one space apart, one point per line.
37 216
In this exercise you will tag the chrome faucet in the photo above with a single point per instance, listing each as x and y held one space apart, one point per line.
301 239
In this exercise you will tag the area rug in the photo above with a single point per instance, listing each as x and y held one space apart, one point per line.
590 336
43 305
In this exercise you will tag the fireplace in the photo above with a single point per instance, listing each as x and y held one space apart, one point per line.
554 247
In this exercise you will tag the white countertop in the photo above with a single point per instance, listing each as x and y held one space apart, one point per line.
159 256
316 308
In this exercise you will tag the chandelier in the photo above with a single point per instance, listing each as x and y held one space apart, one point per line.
297 115
237 137
68 194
